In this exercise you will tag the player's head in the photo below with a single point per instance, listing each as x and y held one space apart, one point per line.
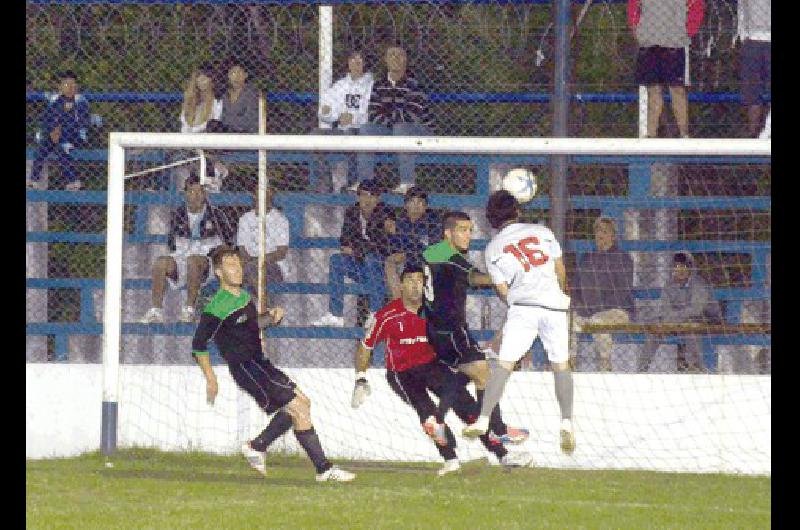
605 232
355 64
681 266
458 230
412 282
227 264
68 83
415 202
195 194
237 72
501 208
369 194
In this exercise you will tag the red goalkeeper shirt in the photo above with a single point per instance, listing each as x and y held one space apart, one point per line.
404 333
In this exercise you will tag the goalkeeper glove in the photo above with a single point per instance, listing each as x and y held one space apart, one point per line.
360 391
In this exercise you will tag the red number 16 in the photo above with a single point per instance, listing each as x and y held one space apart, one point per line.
526 253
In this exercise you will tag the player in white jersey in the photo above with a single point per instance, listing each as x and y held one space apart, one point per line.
525 263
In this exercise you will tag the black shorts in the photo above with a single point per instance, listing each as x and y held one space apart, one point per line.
661 66
269 386
412 387
454 347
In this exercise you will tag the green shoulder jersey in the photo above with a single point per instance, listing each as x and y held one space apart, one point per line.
232 323
446 282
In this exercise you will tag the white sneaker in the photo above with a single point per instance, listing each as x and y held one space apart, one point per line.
352 188
329 320
517 459
36 184
154 315
450 466
254 458
477 429
75 185
187 314
567 437
336 474
401 188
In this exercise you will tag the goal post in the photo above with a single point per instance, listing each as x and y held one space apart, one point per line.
640 151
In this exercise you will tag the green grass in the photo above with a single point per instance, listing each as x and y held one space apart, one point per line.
150 489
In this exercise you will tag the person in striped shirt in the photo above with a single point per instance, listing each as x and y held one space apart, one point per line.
398 107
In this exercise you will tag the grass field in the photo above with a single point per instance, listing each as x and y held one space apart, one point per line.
150 489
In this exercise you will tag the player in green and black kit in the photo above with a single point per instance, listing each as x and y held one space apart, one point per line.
448 275
231 321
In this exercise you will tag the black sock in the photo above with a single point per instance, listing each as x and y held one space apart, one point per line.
448 397
310 443
496 424
496 448
279 424
448 452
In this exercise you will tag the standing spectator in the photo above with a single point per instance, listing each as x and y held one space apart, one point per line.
397 107
199 101
663 31
416 229
687 298
604 288
344 107
195 230
365 245
276 246
64 127
240 101
755 65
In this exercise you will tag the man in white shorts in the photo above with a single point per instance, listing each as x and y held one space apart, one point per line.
195 229
524 261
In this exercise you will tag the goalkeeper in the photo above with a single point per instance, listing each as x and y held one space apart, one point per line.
412 370
231 320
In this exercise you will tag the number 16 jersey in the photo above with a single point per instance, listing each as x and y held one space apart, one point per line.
523 256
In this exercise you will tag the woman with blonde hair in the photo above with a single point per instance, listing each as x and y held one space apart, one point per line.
199 102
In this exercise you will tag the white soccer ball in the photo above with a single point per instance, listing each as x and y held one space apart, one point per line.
520 183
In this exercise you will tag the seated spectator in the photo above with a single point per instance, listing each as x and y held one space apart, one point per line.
755 66
397 107
64 128
199 102
415 229
604 289
195 230
276 245
240 102
663 31
687 298
365 245
344 107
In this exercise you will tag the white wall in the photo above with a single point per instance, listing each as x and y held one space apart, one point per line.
691 423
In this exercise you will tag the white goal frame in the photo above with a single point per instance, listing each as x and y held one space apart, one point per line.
120 141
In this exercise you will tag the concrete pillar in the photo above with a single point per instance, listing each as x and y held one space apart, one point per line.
36 267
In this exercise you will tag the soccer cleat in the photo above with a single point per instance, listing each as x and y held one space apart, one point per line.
154 315
75 185
450 466
187 314
477 429
435 430
512 436
329 320
335 474
517 459
254 458
36 184
567 437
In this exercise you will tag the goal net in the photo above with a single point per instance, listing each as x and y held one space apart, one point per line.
662 381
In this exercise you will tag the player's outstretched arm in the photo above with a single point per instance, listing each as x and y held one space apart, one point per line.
480 279
272 317
361 389
212 388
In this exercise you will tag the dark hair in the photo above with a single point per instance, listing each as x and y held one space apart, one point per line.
451 219
206 68
67 74
414 192
222 251
370 186
501 208
235 60
410 268
680 257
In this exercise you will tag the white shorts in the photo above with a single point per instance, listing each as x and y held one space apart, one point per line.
181 257
525 323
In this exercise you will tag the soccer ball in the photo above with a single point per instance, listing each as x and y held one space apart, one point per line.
520 183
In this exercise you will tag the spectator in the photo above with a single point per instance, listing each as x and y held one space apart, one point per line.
64 127
397 107
755 66
195 230
344 106
687 298
276 245
365 245
240 102
416 228
663 30
199 102
604 288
